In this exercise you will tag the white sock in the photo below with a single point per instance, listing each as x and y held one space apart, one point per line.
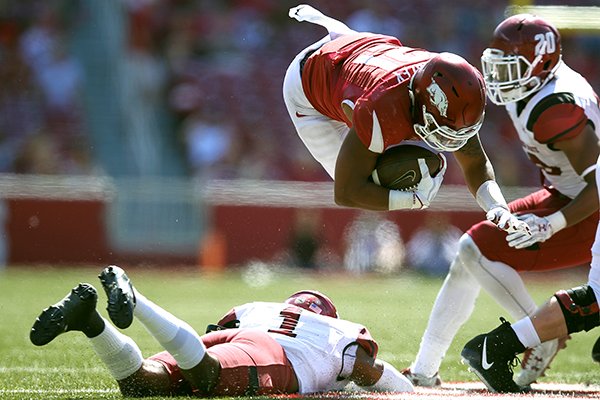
502 282
307 13
526 332
119 353
175 335
453 306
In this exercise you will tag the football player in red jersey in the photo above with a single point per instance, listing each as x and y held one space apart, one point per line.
299 345
556 115
353 95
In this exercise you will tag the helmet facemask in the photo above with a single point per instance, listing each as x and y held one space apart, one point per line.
441 137
508 77
448 97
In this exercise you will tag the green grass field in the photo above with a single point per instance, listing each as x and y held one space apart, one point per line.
395 309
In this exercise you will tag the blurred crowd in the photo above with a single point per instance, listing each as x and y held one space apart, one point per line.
219 66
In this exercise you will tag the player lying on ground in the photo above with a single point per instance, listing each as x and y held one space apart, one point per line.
353 95
555 113
297 346
491 356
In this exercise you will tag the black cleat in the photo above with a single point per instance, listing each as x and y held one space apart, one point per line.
596 351
121 298
488 358
70 314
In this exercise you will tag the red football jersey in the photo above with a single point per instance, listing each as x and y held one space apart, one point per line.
371 73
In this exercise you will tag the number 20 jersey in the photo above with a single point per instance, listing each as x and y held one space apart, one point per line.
559 111
314 344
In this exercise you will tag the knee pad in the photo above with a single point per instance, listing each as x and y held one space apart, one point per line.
579 307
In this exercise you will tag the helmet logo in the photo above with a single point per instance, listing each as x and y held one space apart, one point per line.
438 98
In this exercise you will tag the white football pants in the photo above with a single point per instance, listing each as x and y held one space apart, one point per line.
594 274
456 300
321 135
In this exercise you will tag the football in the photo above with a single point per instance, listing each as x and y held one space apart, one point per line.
397 168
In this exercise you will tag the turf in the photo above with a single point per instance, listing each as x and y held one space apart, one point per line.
394 308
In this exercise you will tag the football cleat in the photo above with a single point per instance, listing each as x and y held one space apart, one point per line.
422 380
537 360
70 314
494 367
121 298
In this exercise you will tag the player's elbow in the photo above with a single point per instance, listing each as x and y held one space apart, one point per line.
342 198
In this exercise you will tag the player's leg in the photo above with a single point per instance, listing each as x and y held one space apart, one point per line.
505 285
322 136
176 336
490 355
594 282
498 265
252 363
502 282
122 357
453 306
307 13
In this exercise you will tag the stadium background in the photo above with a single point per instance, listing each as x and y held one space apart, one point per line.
153 131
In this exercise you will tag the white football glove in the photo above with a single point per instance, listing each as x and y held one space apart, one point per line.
504 220
428 187
540 231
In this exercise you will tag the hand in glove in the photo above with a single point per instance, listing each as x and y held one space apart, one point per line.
507 222
541 230
428 187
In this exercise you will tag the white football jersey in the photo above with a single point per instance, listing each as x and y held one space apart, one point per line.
553 163
314 344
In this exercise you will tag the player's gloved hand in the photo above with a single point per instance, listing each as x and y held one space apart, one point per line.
504 220
428 187
541 230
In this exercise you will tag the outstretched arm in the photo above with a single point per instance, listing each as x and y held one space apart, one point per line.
475 165
582 152
479 177
378 375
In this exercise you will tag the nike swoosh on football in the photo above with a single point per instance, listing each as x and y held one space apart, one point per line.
300 115
484 361
410 175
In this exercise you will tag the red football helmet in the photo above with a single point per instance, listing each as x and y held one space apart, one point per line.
522 57
313 301
450 93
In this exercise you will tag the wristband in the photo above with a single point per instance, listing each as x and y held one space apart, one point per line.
399 200
557 221
490 196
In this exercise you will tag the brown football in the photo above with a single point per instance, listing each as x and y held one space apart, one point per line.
398 168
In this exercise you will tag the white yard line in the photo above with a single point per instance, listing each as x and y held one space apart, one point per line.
58 391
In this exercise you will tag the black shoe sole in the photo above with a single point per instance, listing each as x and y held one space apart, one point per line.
53 320
119 305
